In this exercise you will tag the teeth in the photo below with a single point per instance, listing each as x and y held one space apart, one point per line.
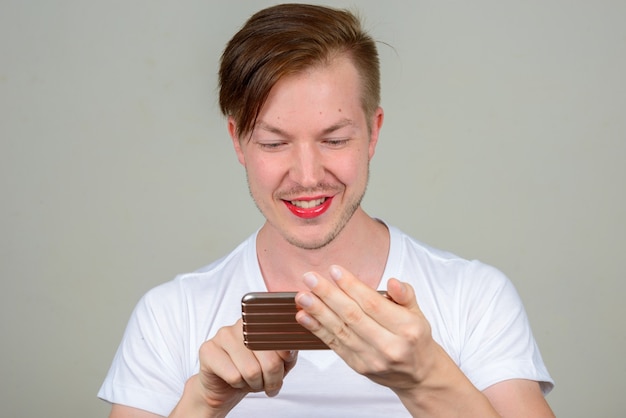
307 204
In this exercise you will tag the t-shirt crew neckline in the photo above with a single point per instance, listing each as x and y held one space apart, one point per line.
393 260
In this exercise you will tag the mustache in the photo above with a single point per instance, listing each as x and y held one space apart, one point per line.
319 189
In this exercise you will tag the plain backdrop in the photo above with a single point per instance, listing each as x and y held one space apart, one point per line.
504 140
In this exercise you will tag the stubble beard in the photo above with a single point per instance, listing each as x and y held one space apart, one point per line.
345 217
343 220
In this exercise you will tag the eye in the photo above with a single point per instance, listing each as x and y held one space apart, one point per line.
271 146
336 142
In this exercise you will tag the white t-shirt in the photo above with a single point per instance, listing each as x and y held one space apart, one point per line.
474 311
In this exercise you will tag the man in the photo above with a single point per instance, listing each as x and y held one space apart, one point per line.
300 88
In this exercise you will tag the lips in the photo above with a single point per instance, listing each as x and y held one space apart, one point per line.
309 208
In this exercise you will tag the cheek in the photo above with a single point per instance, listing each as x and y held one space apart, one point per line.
262 174
351 171
359 163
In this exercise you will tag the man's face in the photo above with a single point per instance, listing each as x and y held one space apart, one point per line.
307 159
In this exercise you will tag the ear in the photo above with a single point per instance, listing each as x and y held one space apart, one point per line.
376 125
232 131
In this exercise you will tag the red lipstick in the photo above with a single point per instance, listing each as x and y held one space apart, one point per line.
309 213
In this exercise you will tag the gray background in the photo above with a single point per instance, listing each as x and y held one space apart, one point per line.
503 141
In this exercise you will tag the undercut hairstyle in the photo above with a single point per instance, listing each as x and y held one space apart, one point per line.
288 39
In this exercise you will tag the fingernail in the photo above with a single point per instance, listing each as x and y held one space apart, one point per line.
305 300
310 280
305 320
335 272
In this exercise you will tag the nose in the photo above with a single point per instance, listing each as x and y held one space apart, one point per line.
307 167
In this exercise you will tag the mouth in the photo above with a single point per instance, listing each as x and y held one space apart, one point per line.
309 208
308 204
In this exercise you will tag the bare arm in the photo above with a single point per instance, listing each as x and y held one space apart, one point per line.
122 411
519 398
512 398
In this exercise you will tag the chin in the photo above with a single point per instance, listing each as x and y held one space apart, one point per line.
321 240
309 245
312 243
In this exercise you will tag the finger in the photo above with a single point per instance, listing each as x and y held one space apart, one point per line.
393 316
255 370
216 361
244 360
290 358
336 318
403 294
370 301
273 370
226 361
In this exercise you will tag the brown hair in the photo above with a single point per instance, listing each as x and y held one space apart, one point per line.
287 39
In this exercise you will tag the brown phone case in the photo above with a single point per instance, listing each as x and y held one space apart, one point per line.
269 323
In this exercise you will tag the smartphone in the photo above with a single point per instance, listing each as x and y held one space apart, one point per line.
269 323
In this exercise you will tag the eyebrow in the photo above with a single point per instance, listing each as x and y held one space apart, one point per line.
275 130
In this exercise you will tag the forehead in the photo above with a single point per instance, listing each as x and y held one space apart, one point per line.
327 92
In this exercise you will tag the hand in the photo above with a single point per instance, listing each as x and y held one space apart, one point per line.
390 342
229 371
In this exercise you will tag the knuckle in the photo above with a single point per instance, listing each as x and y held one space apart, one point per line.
338 336
353 314
206 348
225 335
252 373
235 380
397 354
415 333
361 368
253 377
371 306
275 365
377 366
374 366
342 332
333 343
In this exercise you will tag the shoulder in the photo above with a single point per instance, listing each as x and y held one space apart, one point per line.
442 267
452 290
475 312
190 295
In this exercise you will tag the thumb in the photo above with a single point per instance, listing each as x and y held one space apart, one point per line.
403 294
289 358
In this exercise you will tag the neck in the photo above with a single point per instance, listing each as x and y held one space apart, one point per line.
361 247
